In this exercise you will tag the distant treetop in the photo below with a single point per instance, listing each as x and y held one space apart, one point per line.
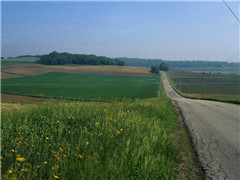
55 58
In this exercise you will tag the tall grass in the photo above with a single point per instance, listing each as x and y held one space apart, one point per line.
121 140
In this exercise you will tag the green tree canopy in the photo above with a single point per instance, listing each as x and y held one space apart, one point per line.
154 69
55 58
163 66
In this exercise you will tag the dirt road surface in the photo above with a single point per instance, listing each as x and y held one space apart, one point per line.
215 132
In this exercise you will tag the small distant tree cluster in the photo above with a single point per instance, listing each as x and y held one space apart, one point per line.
55 58
163 67
154 69
2 57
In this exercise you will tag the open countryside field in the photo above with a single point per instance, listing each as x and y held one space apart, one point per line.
217 85
138 139
20 60
82 86
36 69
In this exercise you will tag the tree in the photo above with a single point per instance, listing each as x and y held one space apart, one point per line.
55 58
2 57
163 66
154 69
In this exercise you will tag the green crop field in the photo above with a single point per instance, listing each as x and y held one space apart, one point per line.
82 86
211 85
21 60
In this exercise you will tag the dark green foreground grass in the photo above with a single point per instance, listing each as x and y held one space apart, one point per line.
82 86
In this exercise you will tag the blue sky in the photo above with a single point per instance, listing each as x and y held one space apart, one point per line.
166 30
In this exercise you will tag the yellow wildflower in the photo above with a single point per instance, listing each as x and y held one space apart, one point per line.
61 149
101 147
47 138
56 177
87 143
80 156
69 132
45 162
12 150
10 171
121 129
21 159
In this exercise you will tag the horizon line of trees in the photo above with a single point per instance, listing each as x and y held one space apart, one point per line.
55 58
176 64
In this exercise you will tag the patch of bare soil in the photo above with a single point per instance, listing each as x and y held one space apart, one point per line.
6 75
10 98
36 69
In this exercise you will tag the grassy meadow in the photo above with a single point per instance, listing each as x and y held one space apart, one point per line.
219 86
82 86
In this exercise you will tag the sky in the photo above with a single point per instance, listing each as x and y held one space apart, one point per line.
156 30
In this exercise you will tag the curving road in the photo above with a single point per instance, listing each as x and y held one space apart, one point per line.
215 131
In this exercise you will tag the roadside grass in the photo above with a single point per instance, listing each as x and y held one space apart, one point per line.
82 86
218 87
21 60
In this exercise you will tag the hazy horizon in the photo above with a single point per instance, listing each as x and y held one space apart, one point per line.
150 30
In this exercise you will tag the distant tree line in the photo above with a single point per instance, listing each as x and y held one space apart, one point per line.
183 64
55 58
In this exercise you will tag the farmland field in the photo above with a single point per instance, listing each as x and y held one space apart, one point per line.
217 85
82 86
26 69
138 139
21 60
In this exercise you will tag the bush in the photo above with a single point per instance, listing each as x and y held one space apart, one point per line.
154 69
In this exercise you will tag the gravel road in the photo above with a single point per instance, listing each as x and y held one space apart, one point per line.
215 132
